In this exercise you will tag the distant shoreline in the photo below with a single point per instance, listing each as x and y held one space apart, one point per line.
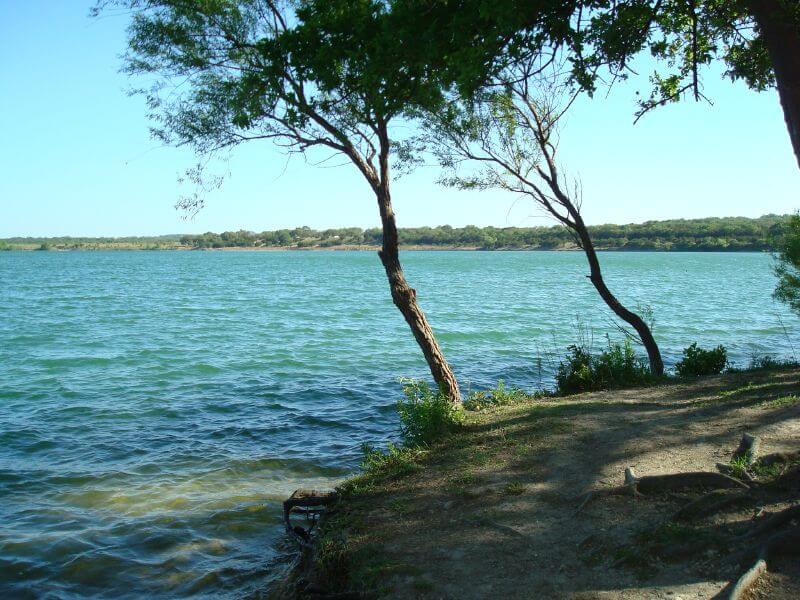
412 247
711 234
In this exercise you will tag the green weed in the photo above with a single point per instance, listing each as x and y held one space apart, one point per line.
781 402
499 396
616 367
391 463
514 488
739 466
426 415
697 362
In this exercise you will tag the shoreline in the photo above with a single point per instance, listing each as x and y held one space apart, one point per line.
444 523
410 247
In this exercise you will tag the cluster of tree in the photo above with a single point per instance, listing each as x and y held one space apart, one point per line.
488 82
69 240
90 243
714 234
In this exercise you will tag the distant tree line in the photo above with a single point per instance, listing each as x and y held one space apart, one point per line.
710 234
161 242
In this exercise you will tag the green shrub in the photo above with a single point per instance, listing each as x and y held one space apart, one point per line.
499 396
616 367
765 362
697 362
426 415
787 264
395 461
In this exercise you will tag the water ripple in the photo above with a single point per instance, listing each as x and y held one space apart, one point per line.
156 408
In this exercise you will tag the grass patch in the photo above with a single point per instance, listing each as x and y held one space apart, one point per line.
781 401
739 466
514 488
753 390
394 462
500 395
767 471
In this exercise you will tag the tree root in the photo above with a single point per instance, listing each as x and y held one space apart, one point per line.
486 522
629 488
772 522
710 503
748 448
679 481
775 535
785 542
650 484
778 457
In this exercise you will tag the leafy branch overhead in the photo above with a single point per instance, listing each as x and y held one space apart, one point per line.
228 72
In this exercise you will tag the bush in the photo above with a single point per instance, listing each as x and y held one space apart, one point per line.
766 362
396 461
616 367
697 362
499 396
426 415
787 264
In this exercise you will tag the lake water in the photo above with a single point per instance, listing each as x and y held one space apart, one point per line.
156 407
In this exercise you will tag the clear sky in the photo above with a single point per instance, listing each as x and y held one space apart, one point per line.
76 157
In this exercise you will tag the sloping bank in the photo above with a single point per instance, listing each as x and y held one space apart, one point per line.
500 508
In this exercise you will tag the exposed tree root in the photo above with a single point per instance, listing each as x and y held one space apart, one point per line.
680 481
775 535
485 521
748 448
727 469
778 457
748 579
772 522
652 484
629 488
710 503
783 543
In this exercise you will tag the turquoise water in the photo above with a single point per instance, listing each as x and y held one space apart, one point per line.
156 407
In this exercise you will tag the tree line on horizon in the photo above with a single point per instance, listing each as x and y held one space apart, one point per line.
707 234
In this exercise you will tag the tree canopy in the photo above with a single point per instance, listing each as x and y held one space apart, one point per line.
757 41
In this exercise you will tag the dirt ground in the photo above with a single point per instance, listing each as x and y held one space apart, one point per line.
492 511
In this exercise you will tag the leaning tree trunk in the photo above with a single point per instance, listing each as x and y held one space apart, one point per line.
780 30
405 298
630 317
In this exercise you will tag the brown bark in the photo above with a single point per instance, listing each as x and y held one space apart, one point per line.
405 299
630 317
403 295
781 35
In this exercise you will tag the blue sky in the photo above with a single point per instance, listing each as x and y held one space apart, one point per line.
76 157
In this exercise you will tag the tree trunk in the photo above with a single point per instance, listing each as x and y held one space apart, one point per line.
631 318
780 31
405 299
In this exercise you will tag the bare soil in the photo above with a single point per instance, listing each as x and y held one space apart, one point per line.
492 511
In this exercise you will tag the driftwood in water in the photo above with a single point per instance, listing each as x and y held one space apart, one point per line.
309 503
